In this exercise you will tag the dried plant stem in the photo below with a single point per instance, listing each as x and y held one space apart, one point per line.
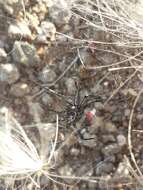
130 131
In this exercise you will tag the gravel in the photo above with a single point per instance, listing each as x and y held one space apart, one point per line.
19 89
47 99
59 13
47 75
47 30
34 53
104 168
19 30
9 73
70 85
25 53
111 149
121 139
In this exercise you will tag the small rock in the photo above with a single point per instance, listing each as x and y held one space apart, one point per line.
9 73
111 159
66 170
104 182
49 3
47 75
46 31
139 117
33 21
127 112
59 13
98 123
25 53
62 64
108 138
74 151
104 168
19 89
111 149
87 139
11 7
121 140
70 85
92 185
20 29
123 169
3 55
47 99
35 109
110 127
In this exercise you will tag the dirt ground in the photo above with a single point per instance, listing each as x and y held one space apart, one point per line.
100 110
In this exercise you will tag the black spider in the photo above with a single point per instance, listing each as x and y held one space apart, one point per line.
75 106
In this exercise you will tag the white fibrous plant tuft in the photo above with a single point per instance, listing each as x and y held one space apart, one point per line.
121 18
19 157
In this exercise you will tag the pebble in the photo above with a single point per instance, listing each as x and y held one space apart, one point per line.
36 110
47 75
110 127
70 85
111 149
19 89
25 53
105 182
47 30
111 159
82 170
74 152
62 64
59 13
108 138
11 7
127 112
47 99
122 169
66 170
33 21
92 185
98 123
20 29
87 139
3 55
121 140
104 168
9 73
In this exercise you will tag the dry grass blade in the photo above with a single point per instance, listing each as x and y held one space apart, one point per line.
129 133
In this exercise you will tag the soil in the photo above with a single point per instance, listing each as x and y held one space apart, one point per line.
96 149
